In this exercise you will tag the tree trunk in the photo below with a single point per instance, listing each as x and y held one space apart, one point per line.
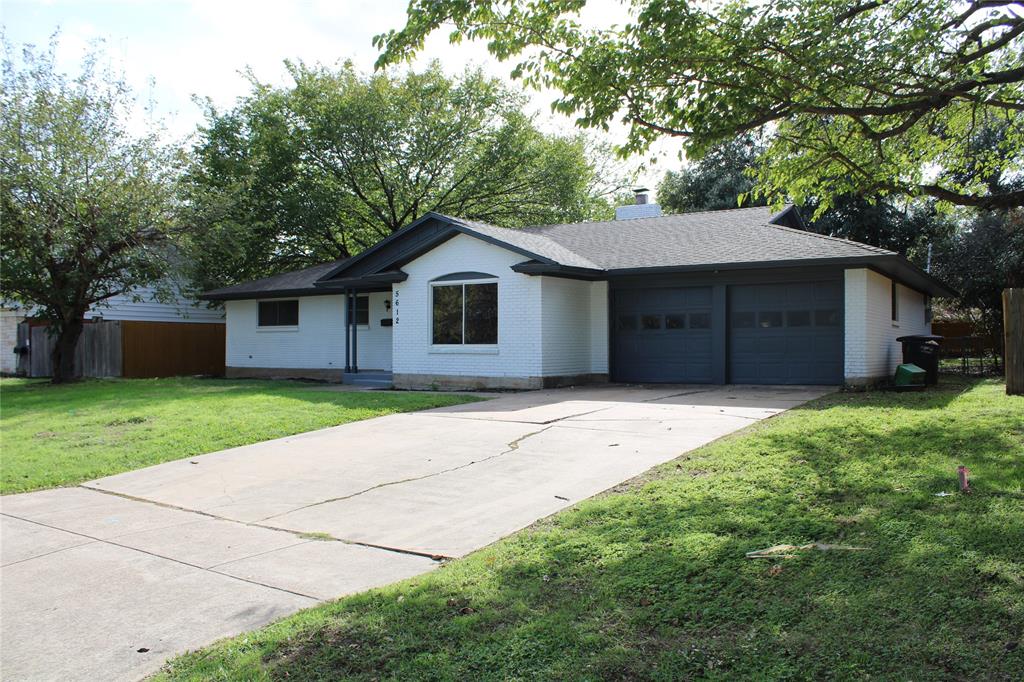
1013 340
64 349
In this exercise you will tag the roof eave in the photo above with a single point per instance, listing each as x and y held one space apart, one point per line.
376 279
894 265
217 295
534 268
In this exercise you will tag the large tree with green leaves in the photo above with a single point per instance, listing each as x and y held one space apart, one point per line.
718 180
866 97
980 259
86 204
337 160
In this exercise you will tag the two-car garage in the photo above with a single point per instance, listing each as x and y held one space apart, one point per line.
744 333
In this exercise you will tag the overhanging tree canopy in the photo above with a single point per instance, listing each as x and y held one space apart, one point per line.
338 160
86 205
864 97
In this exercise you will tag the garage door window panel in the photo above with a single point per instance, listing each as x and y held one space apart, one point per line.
798 318
675 322
743 320
826 318
700 320
650 322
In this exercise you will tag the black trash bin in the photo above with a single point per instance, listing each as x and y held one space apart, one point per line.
923 350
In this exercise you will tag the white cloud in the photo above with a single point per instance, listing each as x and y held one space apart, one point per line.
201 47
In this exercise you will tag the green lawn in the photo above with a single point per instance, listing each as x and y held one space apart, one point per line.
650 582
61 435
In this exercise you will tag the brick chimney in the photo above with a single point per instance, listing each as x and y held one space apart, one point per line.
641 209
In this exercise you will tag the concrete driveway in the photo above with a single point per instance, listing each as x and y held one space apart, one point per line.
109 579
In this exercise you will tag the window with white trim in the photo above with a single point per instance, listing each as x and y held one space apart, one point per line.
464 313
361 315
278 314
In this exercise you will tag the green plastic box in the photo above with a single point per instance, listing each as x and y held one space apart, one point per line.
910 377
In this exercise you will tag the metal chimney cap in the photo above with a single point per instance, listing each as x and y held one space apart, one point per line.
641 195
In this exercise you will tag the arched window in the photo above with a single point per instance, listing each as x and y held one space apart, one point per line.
464 309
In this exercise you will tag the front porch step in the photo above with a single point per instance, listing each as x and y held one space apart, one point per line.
375 383
374 379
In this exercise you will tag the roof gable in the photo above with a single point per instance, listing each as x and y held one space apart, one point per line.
435 228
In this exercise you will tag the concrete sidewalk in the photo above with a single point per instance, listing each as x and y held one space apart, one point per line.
110 579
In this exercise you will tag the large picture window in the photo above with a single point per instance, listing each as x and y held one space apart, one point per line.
278 314
465 314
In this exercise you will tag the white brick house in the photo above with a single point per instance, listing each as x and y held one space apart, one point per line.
740 296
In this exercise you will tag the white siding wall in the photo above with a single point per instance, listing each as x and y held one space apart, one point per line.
141 304
518 352
317 343
871 349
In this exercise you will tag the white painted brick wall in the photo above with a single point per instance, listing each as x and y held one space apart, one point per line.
518 352
9 320
565 326
546 326
319 341
871 349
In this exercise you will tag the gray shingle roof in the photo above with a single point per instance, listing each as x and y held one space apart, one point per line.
710 238
530 240
285 284
741 235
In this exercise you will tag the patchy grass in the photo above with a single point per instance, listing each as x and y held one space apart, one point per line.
60 435
650 581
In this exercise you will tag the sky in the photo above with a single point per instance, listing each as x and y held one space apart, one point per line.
173 50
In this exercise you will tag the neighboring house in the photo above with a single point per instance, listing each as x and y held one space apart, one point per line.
156 336
11 315
144 305
734 296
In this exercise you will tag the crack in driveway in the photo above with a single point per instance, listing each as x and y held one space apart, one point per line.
523 421
111 541
511 446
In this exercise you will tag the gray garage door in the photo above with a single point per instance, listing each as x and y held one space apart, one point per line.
786 333
663 335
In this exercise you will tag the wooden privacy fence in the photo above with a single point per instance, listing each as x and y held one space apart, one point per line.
124 348
98 353
1013 340
167 349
